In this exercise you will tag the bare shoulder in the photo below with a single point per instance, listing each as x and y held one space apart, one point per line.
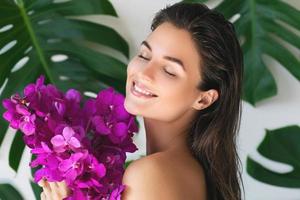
145 179
158 176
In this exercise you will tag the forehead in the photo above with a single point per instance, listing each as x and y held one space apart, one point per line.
168 40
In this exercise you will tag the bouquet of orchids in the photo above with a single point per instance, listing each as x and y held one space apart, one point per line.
84 144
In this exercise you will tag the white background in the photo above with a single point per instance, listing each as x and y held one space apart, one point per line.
281 110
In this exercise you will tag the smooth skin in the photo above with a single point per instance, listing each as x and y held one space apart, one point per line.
164 176
169 171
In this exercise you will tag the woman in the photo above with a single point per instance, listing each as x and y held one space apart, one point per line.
186 83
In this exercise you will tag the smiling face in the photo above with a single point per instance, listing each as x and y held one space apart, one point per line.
167 65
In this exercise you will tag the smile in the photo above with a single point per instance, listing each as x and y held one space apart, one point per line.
139 92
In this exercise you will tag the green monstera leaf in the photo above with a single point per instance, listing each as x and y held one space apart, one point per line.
8 192
37 190
263 26
45 37
281 145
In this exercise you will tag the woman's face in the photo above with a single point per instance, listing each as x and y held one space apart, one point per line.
167 65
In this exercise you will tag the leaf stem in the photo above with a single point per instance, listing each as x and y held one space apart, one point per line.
253 23
35 42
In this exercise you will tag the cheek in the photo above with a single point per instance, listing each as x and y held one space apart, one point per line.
132 67
174 102
175 98
178 90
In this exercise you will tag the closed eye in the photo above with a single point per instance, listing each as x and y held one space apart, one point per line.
164 69
169 73
143 57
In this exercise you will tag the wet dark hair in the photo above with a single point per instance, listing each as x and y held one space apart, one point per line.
212 134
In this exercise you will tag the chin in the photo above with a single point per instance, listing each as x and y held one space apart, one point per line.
129 107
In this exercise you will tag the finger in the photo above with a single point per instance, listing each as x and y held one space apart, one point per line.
64 190
47 191
53 186
46 185
41 182
55 191
62 184
43 197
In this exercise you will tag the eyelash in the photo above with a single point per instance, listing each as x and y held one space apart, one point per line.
164 69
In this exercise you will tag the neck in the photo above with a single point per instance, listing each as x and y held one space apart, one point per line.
167 136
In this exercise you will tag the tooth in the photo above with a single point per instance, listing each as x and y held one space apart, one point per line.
142 91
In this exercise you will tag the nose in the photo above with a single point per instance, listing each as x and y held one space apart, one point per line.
148 72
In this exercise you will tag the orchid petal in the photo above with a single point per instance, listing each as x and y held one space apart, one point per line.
29 89
46 147
8 116
73 95
21 109
52 162
65 165
120 113
27 128
74 142
60 107
58 140
100 170
118 99
68 132
95 182
120 129
76 156
71 175
40 81
105 96
8 104
100 126
15 123
39 174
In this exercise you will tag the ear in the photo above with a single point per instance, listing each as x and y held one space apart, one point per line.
205 99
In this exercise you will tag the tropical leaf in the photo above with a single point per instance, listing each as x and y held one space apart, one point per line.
263 27
281 145
8 192
35 32
15 154
37 190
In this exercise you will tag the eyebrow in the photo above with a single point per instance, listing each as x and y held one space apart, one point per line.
176 60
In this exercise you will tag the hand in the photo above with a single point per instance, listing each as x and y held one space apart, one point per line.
53 190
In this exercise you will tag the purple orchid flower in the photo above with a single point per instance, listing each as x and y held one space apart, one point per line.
66 140
11 115
116 193
116 131
83 146
73 95
94 171
27 120
72 167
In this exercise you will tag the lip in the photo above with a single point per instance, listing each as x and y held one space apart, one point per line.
135 93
